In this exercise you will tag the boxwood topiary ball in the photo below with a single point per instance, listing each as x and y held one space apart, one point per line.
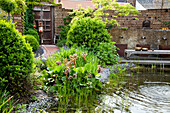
87 31
33 33
32 41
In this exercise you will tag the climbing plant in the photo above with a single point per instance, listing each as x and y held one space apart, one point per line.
29 16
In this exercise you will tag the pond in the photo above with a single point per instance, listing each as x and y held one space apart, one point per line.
143 93
147 92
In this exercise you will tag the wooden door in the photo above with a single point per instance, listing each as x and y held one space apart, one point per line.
44 14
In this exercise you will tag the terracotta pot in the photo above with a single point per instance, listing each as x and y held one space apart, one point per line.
138 48
164 47
143 46
121 50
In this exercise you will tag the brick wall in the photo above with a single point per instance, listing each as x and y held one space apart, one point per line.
59 14
151 15
124 21
153 37
18 20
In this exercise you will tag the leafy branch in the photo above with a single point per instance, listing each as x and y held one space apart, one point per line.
100 12
165 23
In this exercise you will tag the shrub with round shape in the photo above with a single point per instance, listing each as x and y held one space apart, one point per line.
16 59
32 41
87 31
33 33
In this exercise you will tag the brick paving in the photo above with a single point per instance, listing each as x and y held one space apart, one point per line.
49 49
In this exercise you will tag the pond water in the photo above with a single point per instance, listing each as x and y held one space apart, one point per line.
143 93
136 93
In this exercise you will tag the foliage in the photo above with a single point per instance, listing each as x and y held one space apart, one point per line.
6 102
8 5
33 33
87 31
29 17
64 31
38 2
64 53
106 53
124 28
39 65
16 59
73 76
3 15
68 73
61 42
32 41
86 76
165 23
71 66
100 12
20 7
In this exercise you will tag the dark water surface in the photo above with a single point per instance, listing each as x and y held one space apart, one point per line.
143 93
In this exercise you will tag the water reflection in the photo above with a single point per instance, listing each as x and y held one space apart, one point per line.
143 93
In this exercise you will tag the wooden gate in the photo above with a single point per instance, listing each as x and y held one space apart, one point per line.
44 15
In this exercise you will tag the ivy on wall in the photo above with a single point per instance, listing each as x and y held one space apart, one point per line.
29 16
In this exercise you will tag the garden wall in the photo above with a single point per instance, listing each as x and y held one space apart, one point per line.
124 21
59 14
134 32
134 36
18 20
150 15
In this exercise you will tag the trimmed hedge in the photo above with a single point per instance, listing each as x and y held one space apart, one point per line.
16 60
87 31
33 33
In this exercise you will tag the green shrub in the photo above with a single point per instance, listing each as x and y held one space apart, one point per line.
32 41
16 58
33 33
106 53
63 35
76 61
87 31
